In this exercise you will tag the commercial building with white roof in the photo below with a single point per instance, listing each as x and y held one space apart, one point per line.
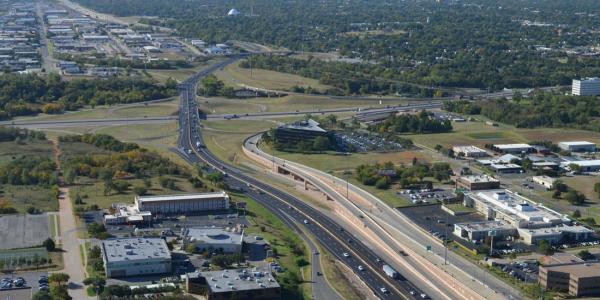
183 204
212 239
533 221
469 151
127 214
578 146
255 283
585 165
135 256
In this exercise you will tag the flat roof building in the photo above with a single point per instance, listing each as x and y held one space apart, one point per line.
125 257
506 168
478 182
578 146
579 279
513 148
469 151
183 204
533 221
213 239
586 87
478 231
127 214
585 165
255 283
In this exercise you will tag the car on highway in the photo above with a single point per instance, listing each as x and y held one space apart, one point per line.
383 290
306 221
361 268
345 254
424 296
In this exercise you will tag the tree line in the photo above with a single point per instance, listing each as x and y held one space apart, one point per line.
423 122
28 94
382 176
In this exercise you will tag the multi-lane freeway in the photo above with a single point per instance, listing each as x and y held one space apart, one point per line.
335 239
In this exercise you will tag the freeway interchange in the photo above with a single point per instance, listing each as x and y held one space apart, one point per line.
290 209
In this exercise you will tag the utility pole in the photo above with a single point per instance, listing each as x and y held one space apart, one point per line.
446 243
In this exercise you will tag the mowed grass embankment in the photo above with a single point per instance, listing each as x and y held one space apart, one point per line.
233 75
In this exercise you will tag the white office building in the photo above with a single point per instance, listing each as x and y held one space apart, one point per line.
584 165
125 257
533 221
183 204
469 151
513 148
586 87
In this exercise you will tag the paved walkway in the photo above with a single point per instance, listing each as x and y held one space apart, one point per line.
71 245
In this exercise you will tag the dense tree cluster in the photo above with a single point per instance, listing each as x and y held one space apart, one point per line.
29 170
102 141
26 94
423 122
382 176
540 110
211 86
415 41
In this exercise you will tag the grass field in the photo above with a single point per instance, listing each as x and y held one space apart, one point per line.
166 108
234 76
478 133
12 150
459 208
289 103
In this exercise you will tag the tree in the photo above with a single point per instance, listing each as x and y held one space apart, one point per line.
574 197
576 214
321 143
140 190
545 248
49 244
585 255
575 168
190 248
438 147
41 295
59 278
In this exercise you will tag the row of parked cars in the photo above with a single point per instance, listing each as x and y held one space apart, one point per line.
580 244
7 283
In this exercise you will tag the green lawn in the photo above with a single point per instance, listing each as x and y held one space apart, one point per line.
459 208
233 75
11 150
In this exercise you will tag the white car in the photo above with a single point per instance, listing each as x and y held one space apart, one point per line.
306 221
345 254
361 268
383 290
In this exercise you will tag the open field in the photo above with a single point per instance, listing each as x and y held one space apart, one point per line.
164 108
12 150
234 76
92 191
21 197
290 103
23 230
478 133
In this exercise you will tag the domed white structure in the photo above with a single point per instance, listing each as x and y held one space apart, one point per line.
233 12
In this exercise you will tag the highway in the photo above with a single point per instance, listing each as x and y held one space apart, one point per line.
287 207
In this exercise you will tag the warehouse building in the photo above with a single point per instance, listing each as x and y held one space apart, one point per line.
469 151
579 279
545 181
478 182
305 130
586 87
578 146
256 283
506 168
513 148
584 165
125 257
534 222
183 204
213 239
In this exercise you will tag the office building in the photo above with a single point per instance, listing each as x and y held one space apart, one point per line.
256 284
586 87
183 204
578 146
469 151
478 231
513 148
305 130
579 279
478 182
534 222
127 214
125 257
214 239
506 168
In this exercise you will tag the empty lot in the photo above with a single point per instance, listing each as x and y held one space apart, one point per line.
21 231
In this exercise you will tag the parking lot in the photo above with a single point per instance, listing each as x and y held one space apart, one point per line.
12 287
426 196
524 271
23 230
366 142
